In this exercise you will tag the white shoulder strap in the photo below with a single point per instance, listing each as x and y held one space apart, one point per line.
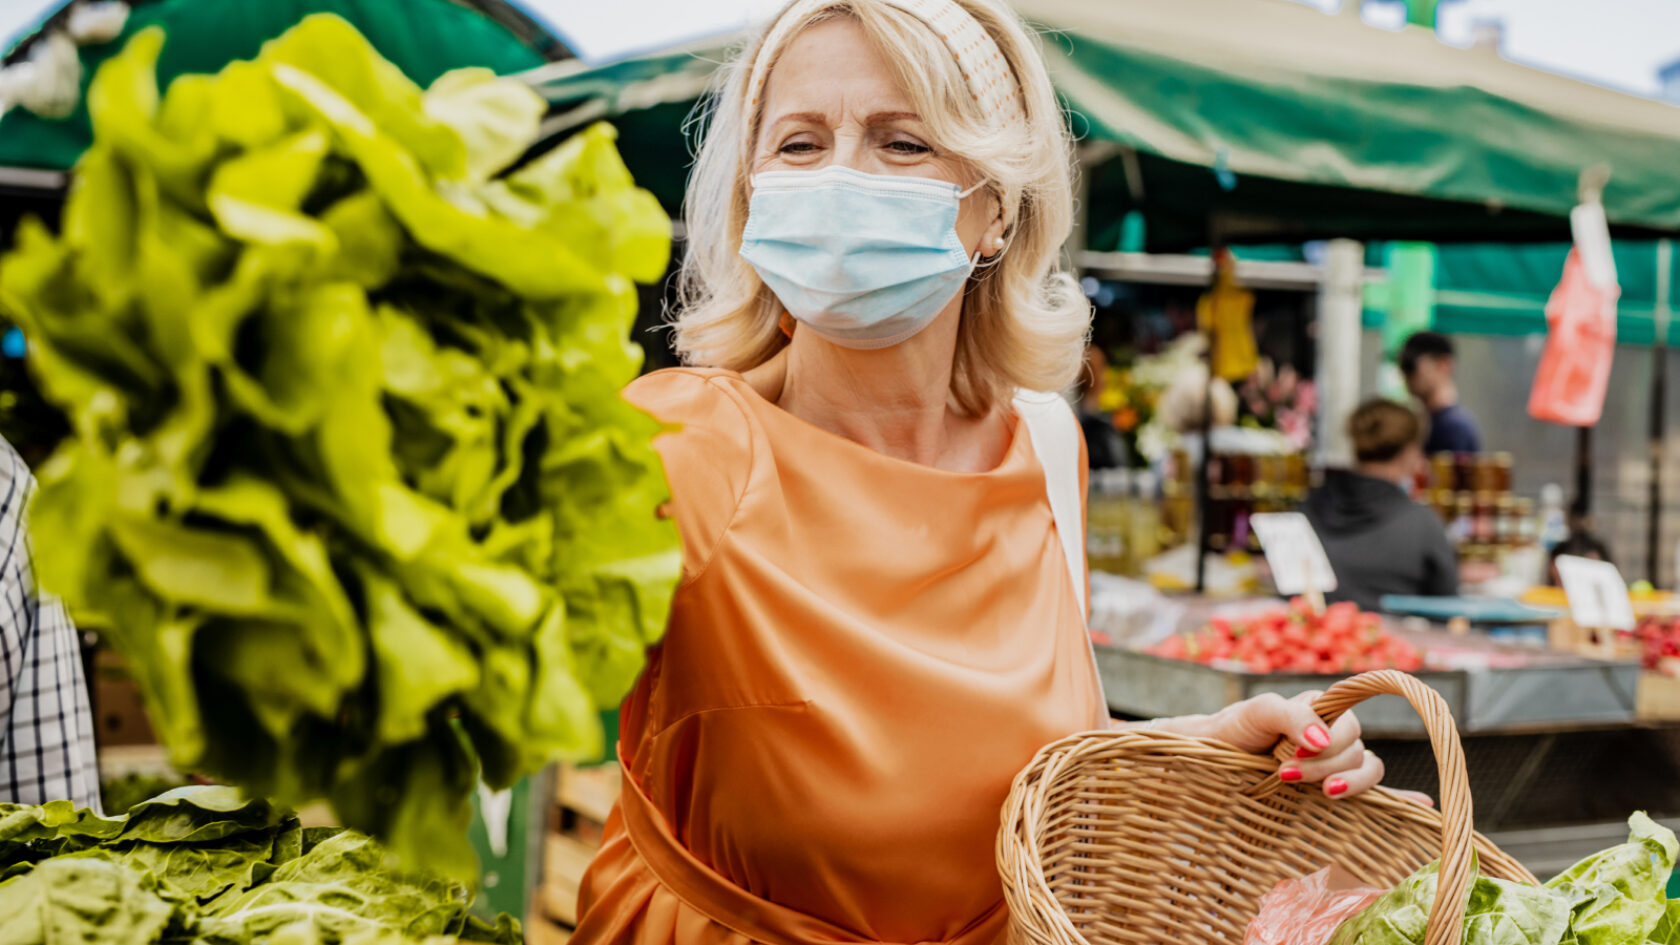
1055 438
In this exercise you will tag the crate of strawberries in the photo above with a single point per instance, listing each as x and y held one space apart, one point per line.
1658 638
1339 640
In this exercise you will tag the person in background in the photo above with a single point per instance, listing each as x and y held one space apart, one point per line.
1427 361
1378 540
1102 443
1581 544
46 723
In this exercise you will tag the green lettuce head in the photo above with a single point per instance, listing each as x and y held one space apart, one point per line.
350 484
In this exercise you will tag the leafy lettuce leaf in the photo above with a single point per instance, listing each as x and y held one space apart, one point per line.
85 898
204 866
1616 896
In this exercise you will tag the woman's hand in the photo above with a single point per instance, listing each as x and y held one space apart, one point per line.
1332 755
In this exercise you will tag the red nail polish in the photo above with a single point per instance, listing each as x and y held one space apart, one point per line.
1305 752
1293 773
1317 737
1335 787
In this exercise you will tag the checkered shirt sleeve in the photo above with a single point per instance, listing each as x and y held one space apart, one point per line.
46 722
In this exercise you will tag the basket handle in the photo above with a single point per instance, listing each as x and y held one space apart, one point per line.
1452 889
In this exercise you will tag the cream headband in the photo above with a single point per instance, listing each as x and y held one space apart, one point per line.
989 77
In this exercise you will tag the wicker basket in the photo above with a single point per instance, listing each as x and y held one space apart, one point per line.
1149 838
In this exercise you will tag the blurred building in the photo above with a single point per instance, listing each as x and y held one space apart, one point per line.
1668 79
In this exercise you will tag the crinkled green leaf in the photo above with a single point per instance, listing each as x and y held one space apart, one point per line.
370 243
84 899
1667 930
1616 896
303 346
330 51
307 577
342 885
446 219
196 567
199 814
214 869
420 665
585 197
256 197
417 794
200 870
29 833
1604 915
244 106
1639 868
122 103
496 118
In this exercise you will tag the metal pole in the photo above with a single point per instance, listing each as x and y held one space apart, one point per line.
1204 516
1659 399
1582 506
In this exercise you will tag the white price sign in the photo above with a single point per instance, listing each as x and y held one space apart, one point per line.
1598 597
1293 552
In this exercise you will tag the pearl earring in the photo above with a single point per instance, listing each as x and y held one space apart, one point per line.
997 243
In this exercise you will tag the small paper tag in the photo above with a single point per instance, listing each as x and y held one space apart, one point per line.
1591 231
1598 597
1294 553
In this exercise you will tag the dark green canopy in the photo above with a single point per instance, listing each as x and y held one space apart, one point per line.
425 38
1279 122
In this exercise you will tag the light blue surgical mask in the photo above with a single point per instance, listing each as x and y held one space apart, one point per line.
865 260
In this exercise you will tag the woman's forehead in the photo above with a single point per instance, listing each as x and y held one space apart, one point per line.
833 69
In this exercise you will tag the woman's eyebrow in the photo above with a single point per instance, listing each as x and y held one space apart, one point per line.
881 118
815 118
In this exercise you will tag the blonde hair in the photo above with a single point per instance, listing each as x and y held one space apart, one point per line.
1024 322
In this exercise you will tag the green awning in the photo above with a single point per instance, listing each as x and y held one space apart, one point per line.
425 38
1335 128
1502 290
1326 127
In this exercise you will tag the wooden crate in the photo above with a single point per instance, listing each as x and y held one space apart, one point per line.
544 931
564 860
583 799
1658 697
588 792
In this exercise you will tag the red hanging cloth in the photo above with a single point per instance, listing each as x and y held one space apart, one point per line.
1580 344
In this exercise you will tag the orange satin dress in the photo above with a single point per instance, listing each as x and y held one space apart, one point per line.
862 654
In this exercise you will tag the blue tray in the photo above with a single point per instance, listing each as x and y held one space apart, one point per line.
1488 610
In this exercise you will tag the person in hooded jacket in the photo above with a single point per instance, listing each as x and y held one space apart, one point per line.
1378 540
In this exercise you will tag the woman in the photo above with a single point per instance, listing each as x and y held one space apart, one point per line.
877 626
1378 540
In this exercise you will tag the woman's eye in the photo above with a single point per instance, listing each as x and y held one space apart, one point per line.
797 147
906 146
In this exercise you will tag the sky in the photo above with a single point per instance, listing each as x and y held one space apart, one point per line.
1618 43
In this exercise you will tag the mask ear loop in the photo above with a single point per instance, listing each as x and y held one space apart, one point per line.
980 262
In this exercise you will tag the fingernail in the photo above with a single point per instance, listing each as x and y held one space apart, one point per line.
1305 752
1335 787
1317 737
1291 773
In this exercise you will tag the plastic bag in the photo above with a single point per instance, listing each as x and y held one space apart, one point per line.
1574 371
1307 911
